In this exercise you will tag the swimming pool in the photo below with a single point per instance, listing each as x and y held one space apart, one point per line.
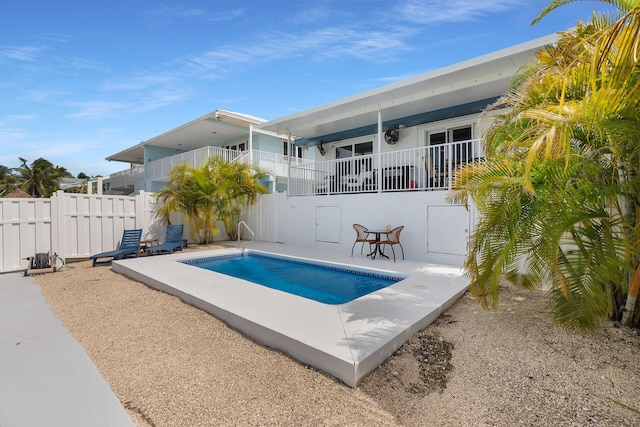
345 340
322 282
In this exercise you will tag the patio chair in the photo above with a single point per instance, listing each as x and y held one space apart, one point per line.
172 241
362 236
363 181
393 238
128 246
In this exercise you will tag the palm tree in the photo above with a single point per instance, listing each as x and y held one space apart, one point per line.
237 187
61 172
8 180
216 190
559 191
39 178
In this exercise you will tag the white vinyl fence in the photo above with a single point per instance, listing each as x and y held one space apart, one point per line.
79 225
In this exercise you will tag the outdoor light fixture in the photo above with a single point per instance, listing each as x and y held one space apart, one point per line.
321 149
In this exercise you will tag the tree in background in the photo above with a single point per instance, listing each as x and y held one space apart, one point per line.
61 172
8 180
216 190
39 178
559 191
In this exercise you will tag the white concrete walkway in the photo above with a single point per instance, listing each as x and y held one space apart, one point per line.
46 378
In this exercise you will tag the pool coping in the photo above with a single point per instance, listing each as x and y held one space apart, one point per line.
346 340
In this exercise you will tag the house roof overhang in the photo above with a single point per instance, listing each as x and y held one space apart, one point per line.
458 89
216 128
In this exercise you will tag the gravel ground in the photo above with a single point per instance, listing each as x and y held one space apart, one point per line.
173 365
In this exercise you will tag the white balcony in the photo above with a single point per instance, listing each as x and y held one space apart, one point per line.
161 168
127 178
270 163
424 168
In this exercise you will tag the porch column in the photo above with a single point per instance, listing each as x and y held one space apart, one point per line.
250 144
379 153
99 189
289 148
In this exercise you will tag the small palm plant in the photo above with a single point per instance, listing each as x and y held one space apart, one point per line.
216 190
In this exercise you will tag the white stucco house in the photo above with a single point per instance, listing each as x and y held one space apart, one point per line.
377 158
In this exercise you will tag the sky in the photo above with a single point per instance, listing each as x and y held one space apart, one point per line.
81 80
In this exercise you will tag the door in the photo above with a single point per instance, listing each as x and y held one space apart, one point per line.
458 152
447 229
328 224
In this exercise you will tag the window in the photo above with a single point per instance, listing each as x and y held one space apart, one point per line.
236 147
355 150
460 151
297 151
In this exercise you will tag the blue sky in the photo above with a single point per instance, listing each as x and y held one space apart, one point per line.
83 79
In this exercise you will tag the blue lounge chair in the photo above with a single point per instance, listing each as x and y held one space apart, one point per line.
173 240
128 246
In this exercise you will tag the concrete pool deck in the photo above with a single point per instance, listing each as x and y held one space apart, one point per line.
346 340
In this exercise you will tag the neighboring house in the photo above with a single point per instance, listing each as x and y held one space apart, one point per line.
80 185
17 194
230 135
385 157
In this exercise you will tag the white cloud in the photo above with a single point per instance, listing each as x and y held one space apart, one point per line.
84 64
438 11
140 82
13 118
178 11
43 95
159 98
56 37
21 53
98 109
319 44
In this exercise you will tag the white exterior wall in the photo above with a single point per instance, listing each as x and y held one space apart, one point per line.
435 231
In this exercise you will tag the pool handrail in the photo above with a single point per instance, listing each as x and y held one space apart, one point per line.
239 233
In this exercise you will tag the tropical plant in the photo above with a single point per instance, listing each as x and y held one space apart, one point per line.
237 187
216 190
559 191
61 172
39 178
8 180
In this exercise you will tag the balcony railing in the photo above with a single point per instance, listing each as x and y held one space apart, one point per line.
127 177
161 168
272 163
424 168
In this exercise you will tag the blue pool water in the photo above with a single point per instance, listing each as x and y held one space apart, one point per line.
326 283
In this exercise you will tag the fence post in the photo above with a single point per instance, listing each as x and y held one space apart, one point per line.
57 223
144 211
140 219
